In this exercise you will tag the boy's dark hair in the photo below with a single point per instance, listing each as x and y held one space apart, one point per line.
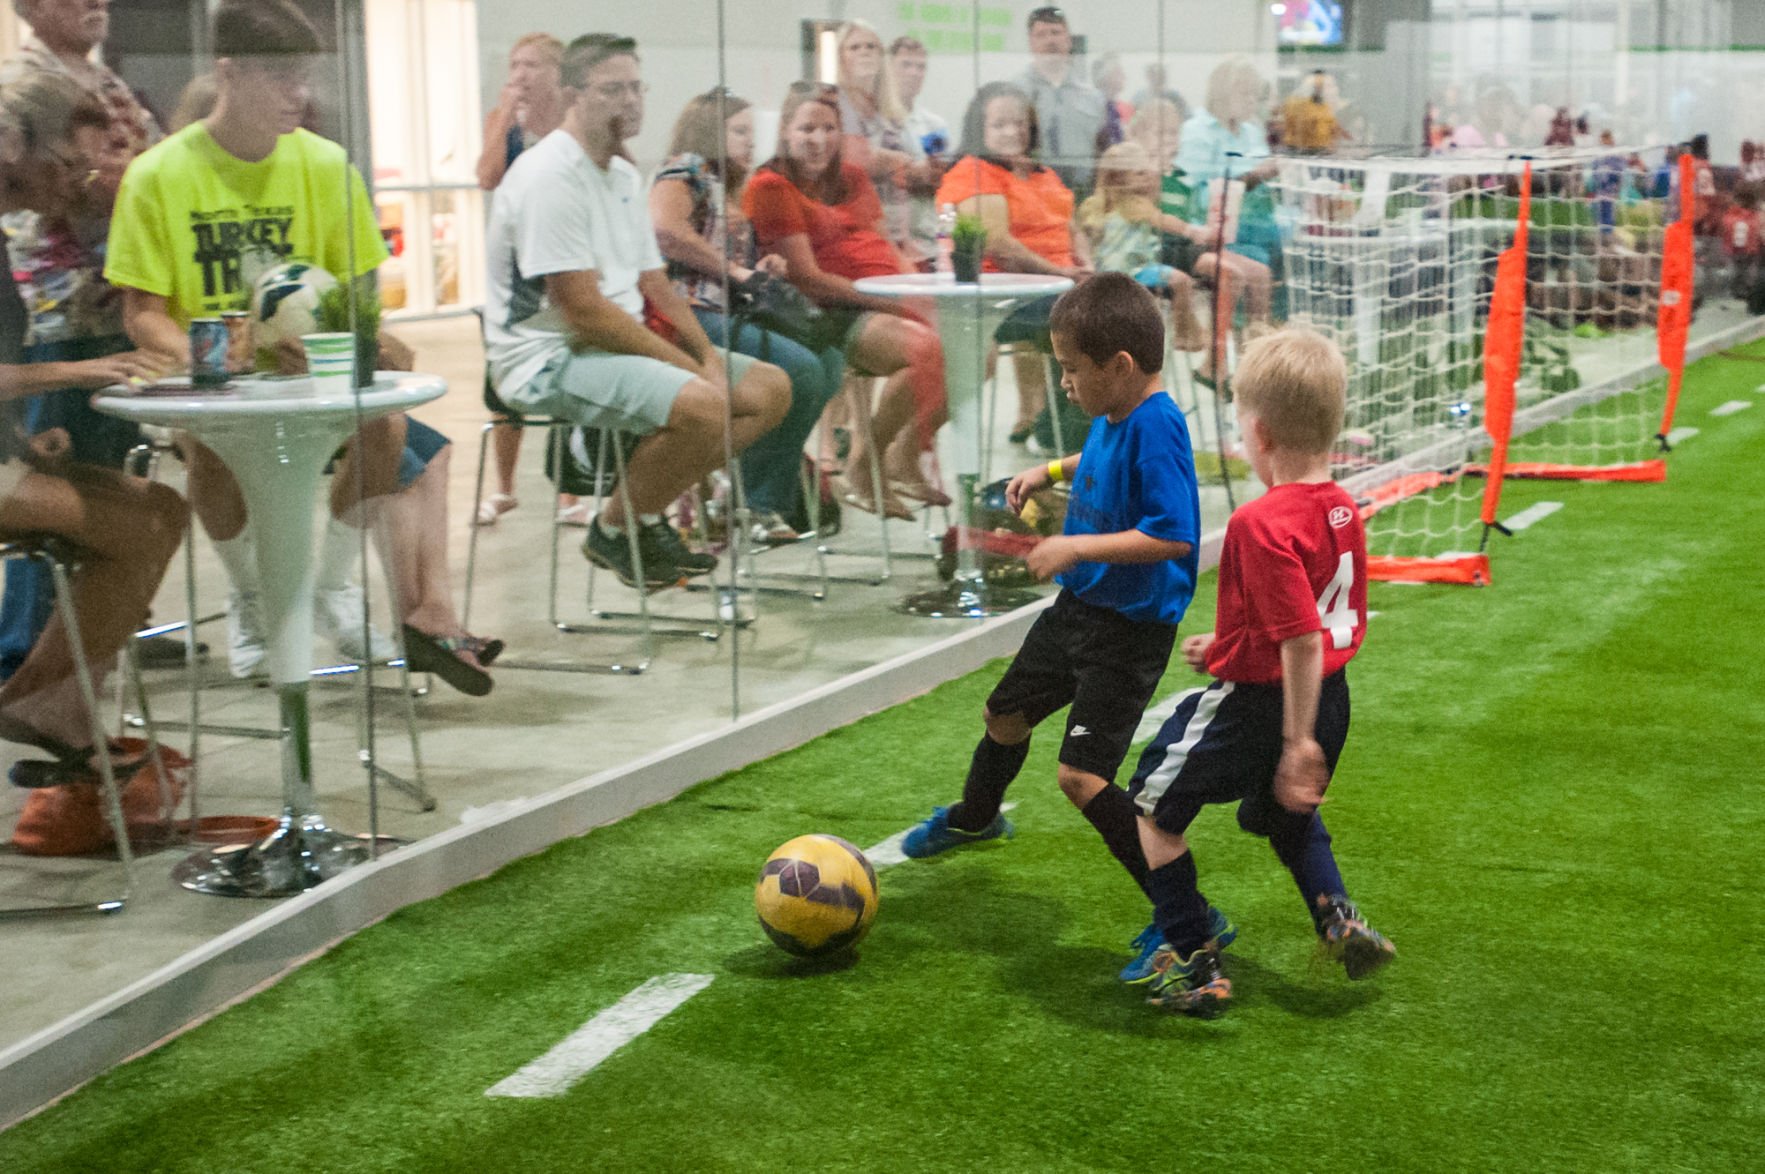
1108 314
263 28
1047 14
588 51
906 44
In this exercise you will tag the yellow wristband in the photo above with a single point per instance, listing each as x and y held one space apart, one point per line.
1056 472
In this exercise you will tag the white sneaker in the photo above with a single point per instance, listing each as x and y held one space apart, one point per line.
245 634
337 616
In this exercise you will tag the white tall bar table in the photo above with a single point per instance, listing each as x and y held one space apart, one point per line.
276 435
968 314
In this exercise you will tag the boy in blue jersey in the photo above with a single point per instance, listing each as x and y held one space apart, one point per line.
1126 565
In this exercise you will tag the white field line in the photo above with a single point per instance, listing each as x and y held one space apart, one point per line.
1678 435
1731 407
888 853
1759 390
580 1052
1532 515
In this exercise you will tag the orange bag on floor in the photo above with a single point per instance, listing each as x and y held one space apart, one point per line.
69 820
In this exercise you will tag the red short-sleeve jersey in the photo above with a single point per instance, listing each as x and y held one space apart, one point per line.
844 237
1294 561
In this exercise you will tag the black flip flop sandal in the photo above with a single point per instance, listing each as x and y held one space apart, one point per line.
425 653
485 649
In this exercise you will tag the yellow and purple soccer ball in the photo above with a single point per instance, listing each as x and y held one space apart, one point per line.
816 896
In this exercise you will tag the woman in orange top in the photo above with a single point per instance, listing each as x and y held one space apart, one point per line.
823 216
1028 214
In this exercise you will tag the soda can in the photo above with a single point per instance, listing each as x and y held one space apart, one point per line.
208 352
241 359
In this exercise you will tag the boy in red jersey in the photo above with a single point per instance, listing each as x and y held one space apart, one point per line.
1267 732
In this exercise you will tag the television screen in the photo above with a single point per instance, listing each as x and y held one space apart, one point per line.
1309 22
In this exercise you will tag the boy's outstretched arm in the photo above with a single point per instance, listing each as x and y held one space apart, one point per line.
1054 555
1030 480
1303 774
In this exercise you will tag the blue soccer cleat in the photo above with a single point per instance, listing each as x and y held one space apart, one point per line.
935 835
1220 934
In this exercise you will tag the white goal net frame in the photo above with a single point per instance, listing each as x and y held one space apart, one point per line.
1396 259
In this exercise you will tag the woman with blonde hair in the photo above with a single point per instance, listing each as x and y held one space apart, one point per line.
874 121
1228 137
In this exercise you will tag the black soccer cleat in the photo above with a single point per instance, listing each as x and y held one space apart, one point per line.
1344 936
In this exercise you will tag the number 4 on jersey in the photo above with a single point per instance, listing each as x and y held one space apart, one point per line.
1335 611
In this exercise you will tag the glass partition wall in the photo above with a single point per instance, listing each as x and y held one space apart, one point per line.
813 444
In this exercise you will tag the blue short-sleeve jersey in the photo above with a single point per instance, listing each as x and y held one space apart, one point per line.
1138 475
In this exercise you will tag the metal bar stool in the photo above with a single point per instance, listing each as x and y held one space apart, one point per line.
648 628
61 558
886 550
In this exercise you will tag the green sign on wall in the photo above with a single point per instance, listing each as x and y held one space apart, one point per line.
950 28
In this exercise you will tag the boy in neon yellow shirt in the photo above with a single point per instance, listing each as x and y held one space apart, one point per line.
199 218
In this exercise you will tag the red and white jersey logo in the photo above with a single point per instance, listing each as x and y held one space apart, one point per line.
1340 517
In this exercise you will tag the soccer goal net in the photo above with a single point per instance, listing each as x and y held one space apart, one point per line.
1400 260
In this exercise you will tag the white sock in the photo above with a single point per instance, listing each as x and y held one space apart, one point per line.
239 556
340 548
649 519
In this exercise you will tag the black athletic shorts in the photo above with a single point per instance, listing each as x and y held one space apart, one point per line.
1222 745
1098 661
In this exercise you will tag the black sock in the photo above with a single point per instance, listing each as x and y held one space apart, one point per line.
1177 906
1117 820
1304 847
993 767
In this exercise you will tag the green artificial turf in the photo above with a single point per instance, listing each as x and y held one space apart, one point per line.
1550 801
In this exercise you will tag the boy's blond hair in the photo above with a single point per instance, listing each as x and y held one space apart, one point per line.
1296 382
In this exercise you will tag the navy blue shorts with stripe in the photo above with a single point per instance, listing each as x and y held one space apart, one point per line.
1222 745
1098 661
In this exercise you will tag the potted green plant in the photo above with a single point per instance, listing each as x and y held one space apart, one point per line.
333 316
968 244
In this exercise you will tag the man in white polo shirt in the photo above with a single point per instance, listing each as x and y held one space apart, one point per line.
573 260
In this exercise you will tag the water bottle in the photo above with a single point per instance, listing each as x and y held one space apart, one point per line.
946 237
